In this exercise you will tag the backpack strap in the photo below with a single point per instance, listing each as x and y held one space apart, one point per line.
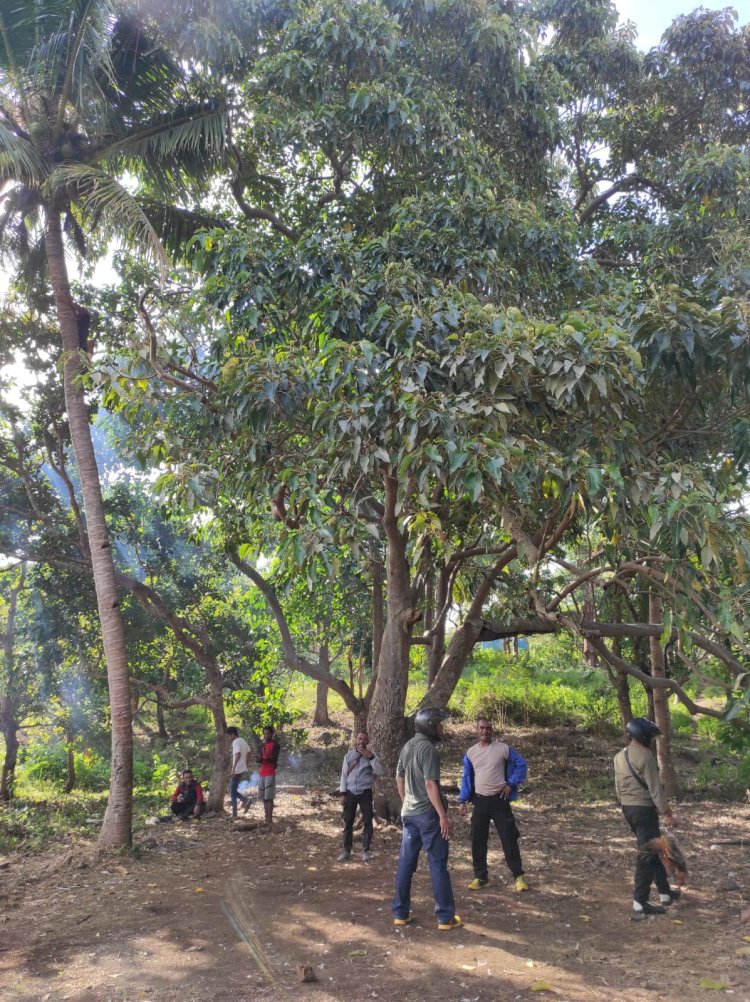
636 776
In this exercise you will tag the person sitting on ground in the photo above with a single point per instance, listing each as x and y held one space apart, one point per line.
643 799
360 765
268 758
492 773
187 799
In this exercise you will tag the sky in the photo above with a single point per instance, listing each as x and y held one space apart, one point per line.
653 16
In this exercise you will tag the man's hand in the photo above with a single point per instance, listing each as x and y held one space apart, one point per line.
343 800
462 810
670 821
505 791
445 826
180 798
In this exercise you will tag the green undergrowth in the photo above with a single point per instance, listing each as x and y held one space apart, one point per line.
37 818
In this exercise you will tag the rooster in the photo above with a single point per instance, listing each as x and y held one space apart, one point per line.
666 848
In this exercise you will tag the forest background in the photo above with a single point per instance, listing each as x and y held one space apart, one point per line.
428 327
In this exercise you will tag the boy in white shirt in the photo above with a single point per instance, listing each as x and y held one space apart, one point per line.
240 765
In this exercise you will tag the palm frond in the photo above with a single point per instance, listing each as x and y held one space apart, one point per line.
174 152
103 197
28 25
200 129
140 78
75 47
19 159
176 226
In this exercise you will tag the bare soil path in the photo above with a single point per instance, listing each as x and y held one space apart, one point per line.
213 911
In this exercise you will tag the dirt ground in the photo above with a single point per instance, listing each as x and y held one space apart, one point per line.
212 910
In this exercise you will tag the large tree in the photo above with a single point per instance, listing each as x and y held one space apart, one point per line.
451 325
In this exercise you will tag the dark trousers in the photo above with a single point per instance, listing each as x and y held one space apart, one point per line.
497 810
424 830
364 802
186 808
644 824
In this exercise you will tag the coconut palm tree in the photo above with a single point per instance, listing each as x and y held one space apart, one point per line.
89 104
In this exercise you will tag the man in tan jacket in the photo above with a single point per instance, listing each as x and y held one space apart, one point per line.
643 800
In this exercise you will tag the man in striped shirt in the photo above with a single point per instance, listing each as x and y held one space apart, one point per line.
360 765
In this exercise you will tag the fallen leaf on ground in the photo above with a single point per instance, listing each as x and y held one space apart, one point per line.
710 985
541 986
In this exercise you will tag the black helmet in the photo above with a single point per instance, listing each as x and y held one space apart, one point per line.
642 730
427 720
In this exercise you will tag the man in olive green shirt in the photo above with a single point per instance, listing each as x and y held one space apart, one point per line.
425 821
642 798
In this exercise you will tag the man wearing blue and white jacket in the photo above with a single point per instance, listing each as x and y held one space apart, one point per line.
493 771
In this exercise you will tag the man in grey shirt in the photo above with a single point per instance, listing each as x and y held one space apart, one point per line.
643 800
425 821
360 765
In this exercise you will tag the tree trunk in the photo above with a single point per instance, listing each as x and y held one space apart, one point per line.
220 763
662 718
622 689
294 660
70 764
321 718
465 637
622 686
160 721
10 734
386 709
377 611
436 650
116 831
589 612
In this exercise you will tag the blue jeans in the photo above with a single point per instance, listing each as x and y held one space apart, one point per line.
234 793
424 830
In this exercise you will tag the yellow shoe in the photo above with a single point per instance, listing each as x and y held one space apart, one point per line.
402 921
521 884
477 884
454 923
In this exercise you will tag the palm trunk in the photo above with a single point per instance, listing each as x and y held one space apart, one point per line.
116 831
